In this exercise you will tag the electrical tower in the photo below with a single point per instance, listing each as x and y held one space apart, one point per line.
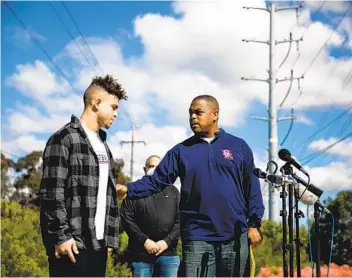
132 142
273 193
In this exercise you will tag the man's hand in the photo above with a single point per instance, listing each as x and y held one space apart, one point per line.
151 246
67 248
255 237
121 191
162 247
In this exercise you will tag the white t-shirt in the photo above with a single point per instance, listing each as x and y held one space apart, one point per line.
209 140
100 151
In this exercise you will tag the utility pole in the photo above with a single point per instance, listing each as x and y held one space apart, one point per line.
272 119
132 142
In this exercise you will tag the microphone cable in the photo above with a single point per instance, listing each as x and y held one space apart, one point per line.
332 242
304 191
310 243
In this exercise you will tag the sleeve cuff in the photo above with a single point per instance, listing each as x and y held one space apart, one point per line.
142 238
168 241
63 238
254 221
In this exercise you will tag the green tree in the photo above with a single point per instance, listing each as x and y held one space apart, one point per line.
121 178
117 265
341 208
29 168
269 253
23 253
6 164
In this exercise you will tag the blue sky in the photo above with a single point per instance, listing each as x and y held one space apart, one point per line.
165 53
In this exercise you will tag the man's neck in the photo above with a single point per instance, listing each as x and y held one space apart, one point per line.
210 134
90 121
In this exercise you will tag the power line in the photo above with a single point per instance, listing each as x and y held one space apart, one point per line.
347 123
313 156
347 80
329 74
322 47
92 54
305 32
289 130
38 44
287 53
287 93
327 125
71 36
48 56
327 40
313 135
81 34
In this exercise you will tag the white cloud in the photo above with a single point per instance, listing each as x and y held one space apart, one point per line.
36 81
324 6
216 51
335 177
57 105
301 118
21 38
24 143
158 141
29 119
343 148
191 55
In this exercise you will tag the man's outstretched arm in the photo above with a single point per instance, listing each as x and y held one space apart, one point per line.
164 175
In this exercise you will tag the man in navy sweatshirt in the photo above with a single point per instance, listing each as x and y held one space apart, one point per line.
221 202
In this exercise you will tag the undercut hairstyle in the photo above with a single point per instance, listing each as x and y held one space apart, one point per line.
109 84
150 157
212 101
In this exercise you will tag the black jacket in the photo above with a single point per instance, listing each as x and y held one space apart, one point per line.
156 217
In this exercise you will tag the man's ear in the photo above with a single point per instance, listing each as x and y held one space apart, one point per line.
145 170
216 115
96 104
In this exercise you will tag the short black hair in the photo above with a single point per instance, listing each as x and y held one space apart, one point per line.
209 99
109 84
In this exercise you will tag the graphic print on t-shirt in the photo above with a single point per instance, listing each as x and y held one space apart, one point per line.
103 158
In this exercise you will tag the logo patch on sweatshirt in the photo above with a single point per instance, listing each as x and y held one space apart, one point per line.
227 154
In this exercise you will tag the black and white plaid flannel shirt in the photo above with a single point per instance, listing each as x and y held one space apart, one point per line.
69 189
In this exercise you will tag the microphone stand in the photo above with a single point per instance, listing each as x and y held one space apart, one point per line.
317 240
287 169
290 227
298 214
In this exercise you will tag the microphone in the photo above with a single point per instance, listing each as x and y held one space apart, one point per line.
309 198
259 173
264 175
322 207
285 155
311 187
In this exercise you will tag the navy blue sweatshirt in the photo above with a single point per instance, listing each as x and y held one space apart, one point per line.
219 191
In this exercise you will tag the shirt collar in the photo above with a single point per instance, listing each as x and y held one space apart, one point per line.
217 134
76 123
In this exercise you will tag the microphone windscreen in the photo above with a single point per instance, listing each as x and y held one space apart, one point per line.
308 198
284 154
